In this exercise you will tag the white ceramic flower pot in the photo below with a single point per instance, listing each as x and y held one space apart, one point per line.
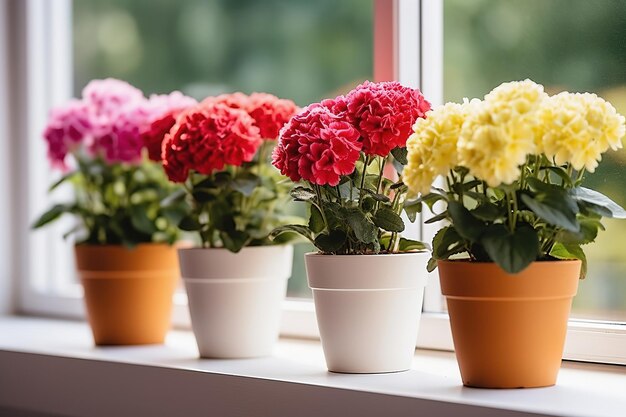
368 309
235 300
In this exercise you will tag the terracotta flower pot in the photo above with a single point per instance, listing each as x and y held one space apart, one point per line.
235 299
509 330
128 292
368 309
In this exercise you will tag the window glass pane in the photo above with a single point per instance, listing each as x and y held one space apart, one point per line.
574 45
298 49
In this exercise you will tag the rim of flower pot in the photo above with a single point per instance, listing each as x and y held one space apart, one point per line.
320 254
541 280
469 261
394 271
267 247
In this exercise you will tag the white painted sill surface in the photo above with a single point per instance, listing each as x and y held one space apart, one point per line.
51 367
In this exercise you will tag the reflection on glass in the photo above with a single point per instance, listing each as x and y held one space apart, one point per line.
299 49
575 45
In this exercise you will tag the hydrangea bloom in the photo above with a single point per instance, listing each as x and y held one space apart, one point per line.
161 112
432 146
382 112
205 138
501 132
67 127
317 146
269 112
579 128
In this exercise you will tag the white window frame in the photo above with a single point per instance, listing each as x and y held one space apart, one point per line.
408 46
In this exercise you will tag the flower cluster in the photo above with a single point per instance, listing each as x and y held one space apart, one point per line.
269 112
110 121
206 138
324 141
318 147
493 138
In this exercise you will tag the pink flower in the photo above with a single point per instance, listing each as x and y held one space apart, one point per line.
317 146
67 128
162 111
382 112
207 137
109 97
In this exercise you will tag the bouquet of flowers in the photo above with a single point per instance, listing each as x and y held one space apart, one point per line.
347 154
513 165
117 191
219 150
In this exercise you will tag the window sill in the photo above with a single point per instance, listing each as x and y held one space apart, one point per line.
51 366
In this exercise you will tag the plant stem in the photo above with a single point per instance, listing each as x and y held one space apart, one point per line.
365 164
320 205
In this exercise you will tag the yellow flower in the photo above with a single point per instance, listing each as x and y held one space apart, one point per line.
494 142
432 147
579 128
501 132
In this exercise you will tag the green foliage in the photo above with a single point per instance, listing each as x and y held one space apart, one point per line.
544 215
120 204
241 206
361 215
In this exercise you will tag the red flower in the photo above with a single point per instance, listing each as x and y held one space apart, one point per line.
269 112
382 112
207 137
153 136
317 146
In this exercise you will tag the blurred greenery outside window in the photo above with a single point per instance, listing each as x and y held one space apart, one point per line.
574 45
298 49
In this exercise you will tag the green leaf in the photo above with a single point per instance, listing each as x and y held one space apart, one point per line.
204 195
447 242
234 240
140 220
245 183
561 173
511 251
304 231
388 220
400 155
376 196
558 210
600 201
174 214
437 218
412 208
316 220
302 194
331 242
432 265
364 230
61 180
587 233
468 226
222 178
487 212
570 251
189 224
368 203
221 216
51 215
406 245
174 198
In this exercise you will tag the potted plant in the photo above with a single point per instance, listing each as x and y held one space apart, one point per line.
510 258
367 280
124 254
236 280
